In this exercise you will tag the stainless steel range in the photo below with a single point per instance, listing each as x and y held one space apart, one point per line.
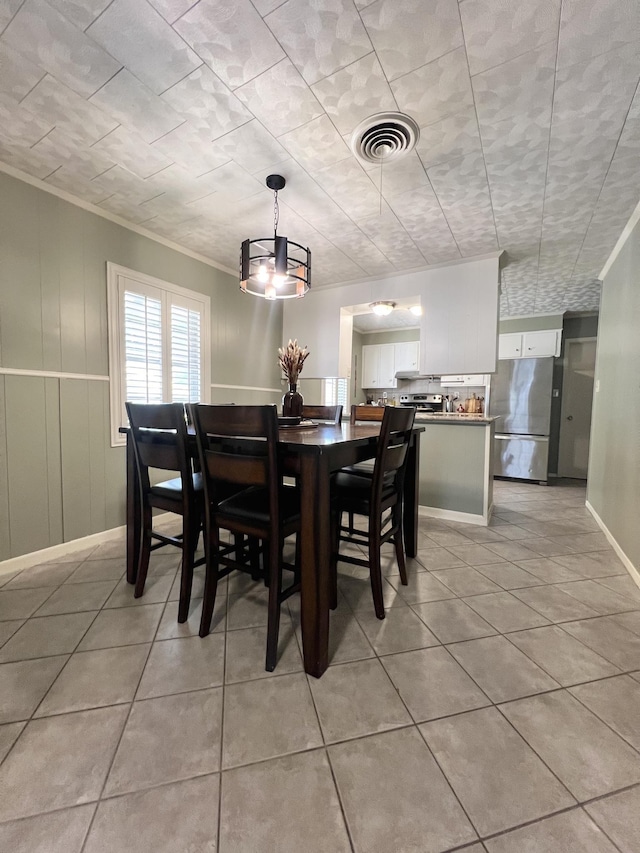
423 402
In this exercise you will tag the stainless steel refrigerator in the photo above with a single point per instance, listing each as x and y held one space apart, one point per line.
521 396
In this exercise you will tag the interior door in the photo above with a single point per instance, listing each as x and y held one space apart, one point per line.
577 397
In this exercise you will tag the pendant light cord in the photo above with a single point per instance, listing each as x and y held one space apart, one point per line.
276 213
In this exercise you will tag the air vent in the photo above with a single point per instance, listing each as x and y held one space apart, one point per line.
384 136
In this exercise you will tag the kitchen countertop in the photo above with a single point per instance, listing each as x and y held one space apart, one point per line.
454 418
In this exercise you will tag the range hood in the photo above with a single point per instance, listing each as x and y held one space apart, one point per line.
415 374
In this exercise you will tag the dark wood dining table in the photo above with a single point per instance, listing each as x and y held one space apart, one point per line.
311 455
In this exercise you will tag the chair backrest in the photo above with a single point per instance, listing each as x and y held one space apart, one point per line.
393 448
367 413
159 434
332 414
237 446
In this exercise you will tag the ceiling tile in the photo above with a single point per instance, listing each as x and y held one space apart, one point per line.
131 103
251 146
130 151
363 251
46 38
422 217
231 182
398 176
22 125
25 159
17 74
67 179
209 105
8 10
266 6
64 151
387 233
409 33
191 148
231 38
125 208
319 36
592 27
316 144
82 13
496 31
280 98
354 93
127 186
449 139
141 39
60 106
435 90
350 187
171 10
179 187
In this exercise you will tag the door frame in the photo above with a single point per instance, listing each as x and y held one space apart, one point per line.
565 361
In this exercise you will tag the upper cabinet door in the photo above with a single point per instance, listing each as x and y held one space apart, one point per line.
407 355
541 343
510 346
387 366
370 366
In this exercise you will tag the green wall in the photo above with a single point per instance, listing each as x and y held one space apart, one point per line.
614 458
530 324
59 477
394 336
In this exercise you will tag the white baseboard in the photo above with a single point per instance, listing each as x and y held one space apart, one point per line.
633 571
454 515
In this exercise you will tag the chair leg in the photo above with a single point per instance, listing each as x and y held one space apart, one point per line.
275 547
190 536
254 558
397 541
210 581
375 571
145 552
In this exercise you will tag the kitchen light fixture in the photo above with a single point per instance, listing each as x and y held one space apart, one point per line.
382 308
274 267
416 310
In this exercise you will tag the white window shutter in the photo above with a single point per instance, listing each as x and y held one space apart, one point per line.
186 386
142 348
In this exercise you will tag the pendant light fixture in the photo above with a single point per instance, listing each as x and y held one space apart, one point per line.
382 308
274 267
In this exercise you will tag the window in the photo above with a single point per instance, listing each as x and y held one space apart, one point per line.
158 343
335 392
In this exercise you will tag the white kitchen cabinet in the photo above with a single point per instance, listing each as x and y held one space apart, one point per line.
407 355
470 380
530 344
378 366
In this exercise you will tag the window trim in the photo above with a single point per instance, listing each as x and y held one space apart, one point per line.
115 331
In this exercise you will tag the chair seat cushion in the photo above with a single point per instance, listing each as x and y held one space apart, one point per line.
361 469
252 505
172 489
347 480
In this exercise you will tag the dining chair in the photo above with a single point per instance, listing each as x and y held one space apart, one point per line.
378 497
159 435
237 446
366 413
330 414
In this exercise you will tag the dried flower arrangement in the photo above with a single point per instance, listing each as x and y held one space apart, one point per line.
291 359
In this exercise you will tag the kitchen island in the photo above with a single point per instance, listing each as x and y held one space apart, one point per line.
456 467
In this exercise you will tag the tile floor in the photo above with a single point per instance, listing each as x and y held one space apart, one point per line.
496 708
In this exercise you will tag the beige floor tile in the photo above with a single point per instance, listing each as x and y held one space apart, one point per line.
76 597
595 565
505 612
8 736
179 666
438 558
619 817
171 629
5 577
608 638
21 603
395 796
58 832
357 591
623 585
182 816
512 532
249 609
500 669
8 629
617 702
347 641
546 547
266 719
509 576
24 683
448 537
156 590
59 762
123 627
246 652
561 655
582 751
98 570
453 620
554 603
400 631
166 740
466 581
421 588
356 699
571 832
47 574
512 551
582 543
197 587
630 621
599 598
286 805
47 636
475 555
96 679
116 547
499 779
431 684
548 570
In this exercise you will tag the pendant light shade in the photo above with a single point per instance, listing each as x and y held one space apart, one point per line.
382 308
274 267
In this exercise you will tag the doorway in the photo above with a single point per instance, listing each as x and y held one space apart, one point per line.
577 398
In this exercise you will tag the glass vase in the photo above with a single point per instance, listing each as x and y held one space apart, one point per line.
292 402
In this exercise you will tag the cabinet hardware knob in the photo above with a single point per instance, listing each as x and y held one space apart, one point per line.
569 417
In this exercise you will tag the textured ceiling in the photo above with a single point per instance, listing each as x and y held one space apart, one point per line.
170 113
401 318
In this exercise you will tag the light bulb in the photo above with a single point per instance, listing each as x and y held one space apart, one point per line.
382 308
270 291
263 273
278 279
416 310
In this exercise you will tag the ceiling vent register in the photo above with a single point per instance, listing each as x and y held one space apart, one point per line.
384 137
